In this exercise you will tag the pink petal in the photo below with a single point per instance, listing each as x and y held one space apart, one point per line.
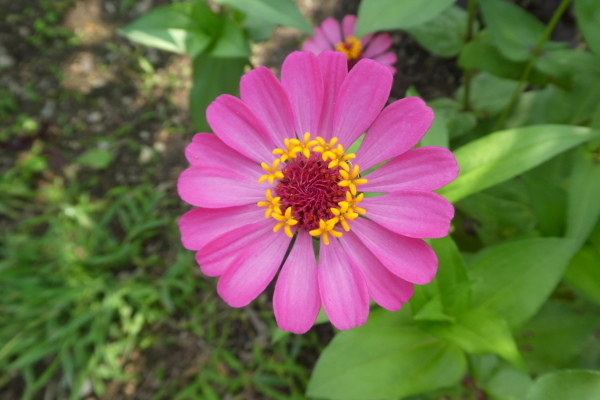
378 45
302 79
253 270
262 92
348 25
200 226
343 289
234 123
387 59
321 40
410 259
296 300
361 97
314 46
207 150
399 127
214 187
411 213
385 288
334 66
216 256
332 30
365 40
392 70
425 168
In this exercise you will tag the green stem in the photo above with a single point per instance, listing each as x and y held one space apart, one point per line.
469 36
562 7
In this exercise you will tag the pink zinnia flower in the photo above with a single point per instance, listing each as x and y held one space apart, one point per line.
275 181
332 36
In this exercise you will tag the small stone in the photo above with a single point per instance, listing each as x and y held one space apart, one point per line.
94 117
145 135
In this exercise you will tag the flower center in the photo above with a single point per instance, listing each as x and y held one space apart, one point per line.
351 47
315 187
311 189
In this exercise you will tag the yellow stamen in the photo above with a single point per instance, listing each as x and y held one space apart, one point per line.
325 229
351 179
273 172
295 146
328 150
340 159
351 203
286 221
272 204
351 47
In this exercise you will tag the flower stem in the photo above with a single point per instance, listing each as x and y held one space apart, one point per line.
562 7
468 37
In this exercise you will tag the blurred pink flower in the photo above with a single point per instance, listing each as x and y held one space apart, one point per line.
276 176
331 36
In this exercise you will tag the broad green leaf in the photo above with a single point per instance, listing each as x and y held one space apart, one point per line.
480 331
379 15
497 218
555 336
514 31
458 121
548 203
564 63
481 54
502 155
567 385
444 34
588 21
451 279
389 357
449 294
507 383
481 86
231 42
583 272
437 135
168 28
575 105
258 29
96 158
514 279
280 12
211 78
583 207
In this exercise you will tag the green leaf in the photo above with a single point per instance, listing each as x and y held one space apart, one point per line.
212 77
168 28
574 105
583 196
481 54
555 336
562 64
280 12
502 155
514 279
548 203
481 86
514 31
458 121
498 213
583 273
378 15
480 331
443 35
507 383
258 29
588 21
95 158
388 357
451 279
437 135
567 385
231 43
